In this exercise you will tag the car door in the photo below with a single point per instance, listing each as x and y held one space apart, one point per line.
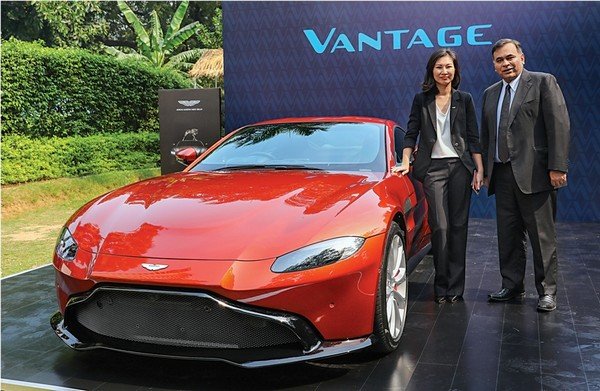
418 213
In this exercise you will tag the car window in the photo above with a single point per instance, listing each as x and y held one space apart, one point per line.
327 146
399 134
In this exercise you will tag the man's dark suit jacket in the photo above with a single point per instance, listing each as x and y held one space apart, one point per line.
463 130
538 134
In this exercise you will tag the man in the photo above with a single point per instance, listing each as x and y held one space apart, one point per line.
525 145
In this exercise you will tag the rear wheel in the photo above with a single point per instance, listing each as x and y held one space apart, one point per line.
392 293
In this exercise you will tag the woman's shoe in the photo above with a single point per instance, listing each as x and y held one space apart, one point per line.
454 299
440 299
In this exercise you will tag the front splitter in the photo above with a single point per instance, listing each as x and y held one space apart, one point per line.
325 350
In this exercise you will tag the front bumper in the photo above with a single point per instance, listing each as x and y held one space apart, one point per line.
191 325
328 297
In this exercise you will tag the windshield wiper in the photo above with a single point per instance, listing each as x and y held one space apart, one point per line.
268 167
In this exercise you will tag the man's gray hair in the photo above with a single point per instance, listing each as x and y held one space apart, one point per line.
504 41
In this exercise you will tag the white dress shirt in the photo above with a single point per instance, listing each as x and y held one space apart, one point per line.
513 89
443 145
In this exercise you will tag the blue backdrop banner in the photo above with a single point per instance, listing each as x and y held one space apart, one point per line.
287 59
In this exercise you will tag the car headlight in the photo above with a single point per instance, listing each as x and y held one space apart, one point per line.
66 246
318 254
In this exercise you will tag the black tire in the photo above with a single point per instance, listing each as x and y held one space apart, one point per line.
392 293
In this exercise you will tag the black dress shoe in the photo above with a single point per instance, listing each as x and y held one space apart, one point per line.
546 303
454 299
440 299
506 294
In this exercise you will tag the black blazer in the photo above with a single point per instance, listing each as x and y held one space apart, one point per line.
538 133
463 129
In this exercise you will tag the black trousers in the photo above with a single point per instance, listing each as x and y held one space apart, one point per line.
447 186
518 215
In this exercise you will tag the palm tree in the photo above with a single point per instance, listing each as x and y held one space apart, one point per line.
155 47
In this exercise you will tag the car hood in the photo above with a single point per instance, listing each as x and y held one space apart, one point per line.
243 215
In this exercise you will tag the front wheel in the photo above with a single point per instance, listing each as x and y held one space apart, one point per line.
392 293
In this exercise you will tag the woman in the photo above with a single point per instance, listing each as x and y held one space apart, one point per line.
448 162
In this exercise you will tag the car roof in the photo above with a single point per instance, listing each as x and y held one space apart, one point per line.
323 119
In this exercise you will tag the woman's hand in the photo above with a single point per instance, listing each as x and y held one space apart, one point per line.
401 169
404 167
477 181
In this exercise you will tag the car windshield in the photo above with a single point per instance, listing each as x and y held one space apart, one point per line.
317 146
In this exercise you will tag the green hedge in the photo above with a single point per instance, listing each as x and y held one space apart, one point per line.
26 159
71 92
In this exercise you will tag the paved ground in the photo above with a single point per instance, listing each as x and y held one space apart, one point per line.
472 345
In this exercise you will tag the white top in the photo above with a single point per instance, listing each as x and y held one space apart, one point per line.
513 88
443 145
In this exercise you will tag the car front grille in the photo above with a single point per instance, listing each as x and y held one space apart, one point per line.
134 319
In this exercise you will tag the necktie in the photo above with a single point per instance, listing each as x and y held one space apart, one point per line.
503 127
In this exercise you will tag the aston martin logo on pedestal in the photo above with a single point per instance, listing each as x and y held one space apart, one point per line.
154 266
189 103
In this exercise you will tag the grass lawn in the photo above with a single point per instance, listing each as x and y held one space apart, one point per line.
33 214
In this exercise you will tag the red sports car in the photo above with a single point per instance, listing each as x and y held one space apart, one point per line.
287 240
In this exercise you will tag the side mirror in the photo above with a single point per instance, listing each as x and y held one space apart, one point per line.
187 155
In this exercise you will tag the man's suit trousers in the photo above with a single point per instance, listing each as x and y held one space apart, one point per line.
518 215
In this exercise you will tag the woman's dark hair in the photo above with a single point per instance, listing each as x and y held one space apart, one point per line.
429 81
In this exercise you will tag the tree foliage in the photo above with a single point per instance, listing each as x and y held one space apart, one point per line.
21 20
211 34
156 47
73 23
57 28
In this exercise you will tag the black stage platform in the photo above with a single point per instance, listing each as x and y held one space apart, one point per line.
472 345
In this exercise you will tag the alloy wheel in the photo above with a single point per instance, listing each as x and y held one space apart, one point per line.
396 288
